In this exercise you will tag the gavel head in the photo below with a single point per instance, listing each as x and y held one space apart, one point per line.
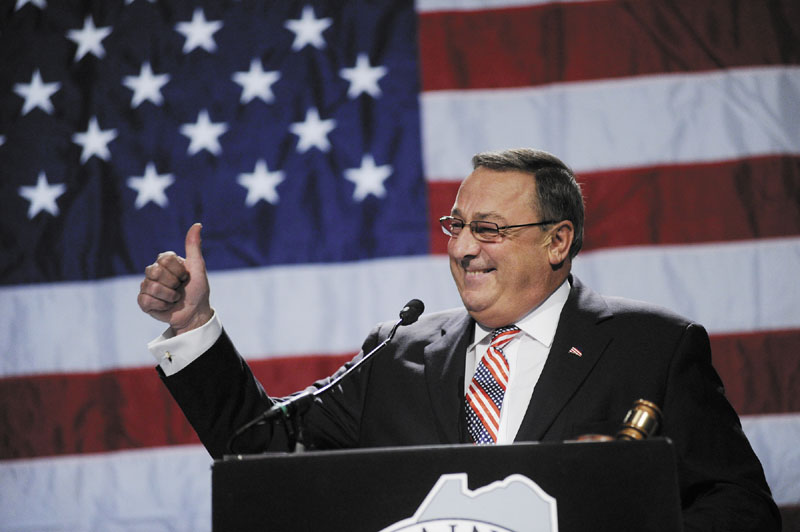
641 421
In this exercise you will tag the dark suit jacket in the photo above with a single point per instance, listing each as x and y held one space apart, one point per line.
412 393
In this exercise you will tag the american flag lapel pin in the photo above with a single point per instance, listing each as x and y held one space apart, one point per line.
575 351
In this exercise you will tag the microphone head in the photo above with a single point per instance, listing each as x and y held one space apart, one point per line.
411 311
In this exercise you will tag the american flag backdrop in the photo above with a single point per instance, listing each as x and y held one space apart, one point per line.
318 142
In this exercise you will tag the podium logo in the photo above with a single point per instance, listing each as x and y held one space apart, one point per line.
515 504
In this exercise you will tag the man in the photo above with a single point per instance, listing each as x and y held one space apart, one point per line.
570 361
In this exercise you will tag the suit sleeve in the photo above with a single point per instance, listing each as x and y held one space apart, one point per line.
722 482
218 393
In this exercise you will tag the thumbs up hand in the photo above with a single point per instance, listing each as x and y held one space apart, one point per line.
175 289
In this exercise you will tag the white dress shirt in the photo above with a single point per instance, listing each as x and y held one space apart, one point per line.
526 355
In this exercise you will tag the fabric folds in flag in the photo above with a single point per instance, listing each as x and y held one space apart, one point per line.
319 142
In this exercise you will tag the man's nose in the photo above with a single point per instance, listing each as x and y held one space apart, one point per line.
464 245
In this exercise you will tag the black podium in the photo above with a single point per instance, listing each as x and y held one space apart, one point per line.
615 485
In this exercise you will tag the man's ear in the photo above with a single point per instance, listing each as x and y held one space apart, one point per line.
561 237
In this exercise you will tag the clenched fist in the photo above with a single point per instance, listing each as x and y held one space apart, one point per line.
175 289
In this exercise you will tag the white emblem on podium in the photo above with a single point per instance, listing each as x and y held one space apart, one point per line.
515 504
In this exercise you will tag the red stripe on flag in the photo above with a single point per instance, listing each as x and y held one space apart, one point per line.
74 413
598 40
677 204
760 371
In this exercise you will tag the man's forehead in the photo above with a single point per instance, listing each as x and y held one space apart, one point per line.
488 194
487 179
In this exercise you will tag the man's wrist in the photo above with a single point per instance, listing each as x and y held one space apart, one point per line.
198 320
173 353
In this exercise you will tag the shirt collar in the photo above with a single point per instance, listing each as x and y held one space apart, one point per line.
540 323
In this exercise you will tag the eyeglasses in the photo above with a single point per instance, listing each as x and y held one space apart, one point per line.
481 229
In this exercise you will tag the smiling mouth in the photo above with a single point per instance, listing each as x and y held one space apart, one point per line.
476 273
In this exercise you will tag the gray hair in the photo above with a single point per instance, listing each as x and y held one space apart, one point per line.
558 194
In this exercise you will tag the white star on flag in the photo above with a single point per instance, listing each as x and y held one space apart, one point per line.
146 86
89 39
41 4
94 141
368 178
261 184
363 77
37 93
308 29
313 132
256 83
151 187
199 32
43 196
204 134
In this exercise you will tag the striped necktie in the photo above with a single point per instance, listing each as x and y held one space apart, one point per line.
484 399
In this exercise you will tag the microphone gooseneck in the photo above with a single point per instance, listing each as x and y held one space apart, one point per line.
290 410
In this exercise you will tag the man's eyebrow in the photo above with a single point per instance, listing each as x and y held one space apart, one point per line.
480 215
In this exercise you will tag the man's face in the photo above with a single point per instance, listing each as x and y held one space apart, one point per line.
500 282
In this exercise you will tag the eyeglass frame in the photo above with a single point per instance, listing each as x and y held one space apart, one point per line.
474 223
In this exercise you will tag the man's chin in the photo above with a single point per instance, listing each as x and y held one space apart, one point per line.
480 312
489 314
472 302
487 320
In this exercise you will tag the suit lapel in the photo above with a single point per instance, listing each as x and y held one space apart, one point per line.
577 346
444 375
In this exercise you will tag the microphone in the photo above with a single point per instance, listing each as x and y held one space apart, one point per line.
411 312
641 421
292 408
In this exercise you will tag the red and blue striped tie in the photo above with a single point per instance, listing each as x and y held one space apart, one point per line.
488 387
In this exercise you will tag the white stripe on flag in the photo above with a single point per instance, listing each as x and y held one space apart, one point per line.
775 441
624 123
727 287
314 310
329 309
153 490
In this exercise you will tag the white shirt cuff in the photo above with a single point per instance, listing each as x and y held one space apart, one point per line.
173 353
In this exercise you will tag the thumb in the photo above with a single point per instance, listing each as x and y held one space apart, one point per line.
193 242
